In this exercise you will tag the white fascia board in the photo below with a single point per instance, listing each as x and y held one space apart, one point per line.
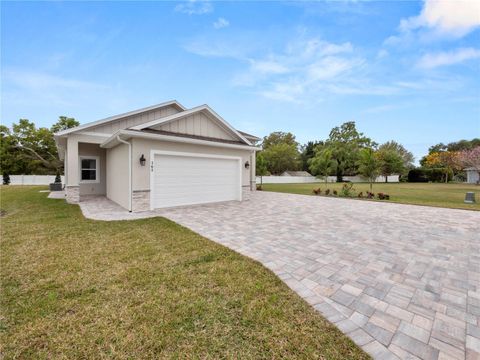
116 117
127 134
182 114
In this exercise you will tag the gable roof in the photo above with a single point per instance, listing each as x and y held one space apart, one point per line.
116 117
202 108
249 136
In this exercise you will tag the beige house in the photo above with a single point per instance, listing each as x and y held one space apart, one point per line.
160 156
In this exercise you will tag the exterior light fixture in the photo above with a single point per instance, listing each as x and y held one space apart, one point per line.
247 165
142 160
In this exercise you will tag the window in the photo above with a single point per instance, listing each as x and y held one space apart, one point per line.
89 169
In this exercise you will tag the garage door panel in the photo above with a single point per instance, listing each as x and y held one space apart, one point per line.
186 179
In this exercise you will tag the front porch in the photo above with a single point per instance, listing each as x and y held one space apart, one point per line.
85 170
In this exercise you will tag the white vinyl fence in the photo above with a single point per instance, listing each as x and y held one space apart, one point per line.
312 179
33 179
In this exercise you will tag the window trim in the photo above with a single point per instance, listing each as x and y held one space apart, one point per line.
97 169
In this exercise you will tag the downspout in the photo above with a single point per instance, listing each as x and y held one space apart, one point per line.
129 172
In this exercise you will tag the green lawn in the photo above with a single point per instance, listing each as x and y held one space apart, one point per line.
75 288
432 194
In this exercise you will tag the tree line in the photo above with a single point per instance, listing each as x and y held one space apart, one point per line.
26 149
346 151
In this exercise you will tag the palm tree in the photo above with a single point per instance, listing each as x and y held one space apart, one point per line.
368 165
323 164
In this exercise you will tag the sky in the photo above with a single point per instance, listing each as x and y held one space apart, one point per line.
407 71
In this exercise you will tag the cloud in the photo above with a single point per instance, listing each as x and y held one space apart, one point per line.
454 18
26 87
221 23
194 7
429 61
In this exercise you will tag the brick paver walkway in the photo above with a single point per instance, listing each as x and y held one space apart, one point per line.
402 281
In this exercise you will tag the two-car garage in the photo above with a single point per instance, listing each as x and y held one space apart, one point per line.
179 179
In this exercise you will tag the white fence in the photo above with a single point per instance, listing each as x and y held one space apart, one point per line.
33 179
312 179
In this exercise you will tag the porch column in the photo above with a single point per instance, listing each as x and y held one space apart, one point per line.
253 175
72 188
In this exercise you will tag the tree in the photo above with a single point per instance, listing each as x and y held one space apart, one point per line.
260 166
280 151
346 142
407 157
26 149
470 158
455 146
368 165
390 162
281 157
307 152
323 163
279 137
64 123
448 160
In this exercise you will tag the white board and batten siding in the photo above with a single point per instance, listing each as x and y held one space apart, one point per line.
199 124
180 179
133 120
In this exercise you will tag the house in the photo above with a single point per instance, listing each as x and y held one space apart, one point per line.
296 173
473 175
159 156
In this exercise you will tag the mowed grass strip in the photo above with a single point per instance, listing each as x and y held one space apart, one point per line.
431 194
76 288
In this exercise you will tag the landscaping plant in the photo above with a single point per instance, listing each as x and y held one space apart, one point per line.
6 178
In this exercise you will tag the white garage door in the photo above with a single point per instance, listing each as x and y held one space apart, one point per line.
186 179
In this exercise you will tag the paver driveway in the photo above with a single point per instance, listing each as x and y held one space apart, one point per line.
402 281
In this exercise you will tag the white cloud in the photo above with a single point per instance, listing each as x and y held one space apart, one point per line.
194 7
429 61
221 23
455 18
28 87
268 67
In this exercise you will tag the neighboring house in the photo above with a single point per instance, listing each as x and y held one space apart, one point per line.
295 173
473 175
160 156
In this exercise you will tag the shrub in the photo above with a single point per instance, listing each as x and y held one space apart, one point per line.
317 191
335 192
360 194
259 187
428 174
347 190
370 195
327 192
382 196
58 178
6 179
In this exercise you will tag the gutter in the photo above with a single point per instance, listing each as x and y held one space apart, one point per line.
129 171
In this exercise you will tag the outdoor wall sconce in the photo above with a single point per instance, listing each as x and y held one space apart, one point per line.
142 160
247 165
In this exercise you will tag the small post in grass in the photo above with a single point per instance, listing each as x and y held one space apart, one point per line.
469 198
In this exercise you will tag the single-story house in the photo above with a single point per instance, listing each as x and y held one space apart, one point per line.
473 175
159 156
296 173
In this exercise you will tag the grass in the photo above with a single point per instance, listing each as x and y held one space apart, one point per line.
77 288
431 194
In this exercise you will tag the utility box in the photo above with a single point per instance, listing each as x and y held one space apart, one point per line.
469 198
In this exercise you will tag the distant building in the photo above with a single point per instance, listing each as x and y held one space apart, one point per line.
473 175
296 173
